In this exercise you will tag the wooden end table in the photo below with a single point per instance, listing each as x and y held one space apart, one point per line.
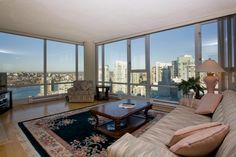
122 120
5 101
104 94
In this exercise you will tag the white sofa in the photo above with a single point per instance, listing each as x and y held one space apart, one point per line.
152 143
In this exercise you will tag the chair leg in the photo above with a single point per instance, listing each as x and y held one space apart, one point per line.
67 98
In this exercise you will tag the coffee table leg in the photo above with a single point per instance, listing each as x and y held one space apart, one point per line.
117 125
146 112
96 119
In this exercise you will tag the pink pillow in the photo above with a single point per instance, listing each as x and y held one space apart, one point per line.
182 133
208 103
202 142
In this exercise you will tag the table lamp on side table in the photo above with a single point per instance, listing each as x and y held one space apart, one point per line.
211 67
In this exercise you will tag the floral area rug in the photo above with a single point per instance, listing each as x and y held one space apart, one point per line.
71 134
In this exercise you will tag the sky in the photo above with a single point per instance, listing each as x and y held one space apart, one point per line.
165 46
20 53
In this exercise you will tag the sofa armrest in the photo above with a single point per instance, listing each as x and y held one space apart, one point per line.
130 146
189 102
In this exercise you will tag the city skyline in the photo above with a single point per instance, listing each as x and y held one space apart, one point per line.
121 68
167 74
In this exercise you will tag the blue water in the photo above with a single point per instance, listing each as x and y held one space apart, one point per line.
25 92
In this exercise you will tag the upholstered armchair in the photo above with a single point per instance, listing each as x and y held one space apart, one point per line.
82 91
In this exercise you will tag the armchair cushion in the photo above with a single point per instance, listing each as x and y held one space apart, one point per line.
82 91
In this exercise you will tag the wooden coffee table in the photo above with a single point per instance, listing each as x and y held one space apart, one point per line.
122 120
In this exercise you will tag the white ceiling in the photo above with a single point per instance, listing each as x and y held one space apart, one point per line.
101 20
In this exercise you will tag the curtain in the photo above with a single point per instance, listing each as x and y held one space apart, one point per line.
227 51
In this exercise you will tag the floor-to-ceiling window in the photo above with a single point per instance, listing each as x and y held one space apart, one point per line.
60 66
172 58
138 72
22 58
39 67
115 66
209 44
156 62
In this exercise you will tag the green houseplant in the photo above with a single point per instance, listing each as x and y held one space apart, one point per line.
191 84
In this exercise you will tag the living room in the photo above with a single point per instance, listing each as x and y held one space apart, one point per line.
114 73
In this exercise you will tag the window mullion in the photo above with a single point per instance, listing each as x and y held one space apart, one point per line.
103 65
198 46
147 57
76 62
45 67
128 65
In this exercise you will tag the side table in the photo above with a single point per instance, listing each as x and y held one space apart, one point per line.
102 92
5 101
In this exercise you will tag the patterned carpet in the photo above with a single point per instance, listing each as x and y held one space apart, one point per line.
71 134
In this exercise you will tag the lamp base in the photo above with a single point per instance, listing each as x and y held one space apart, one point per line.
210 81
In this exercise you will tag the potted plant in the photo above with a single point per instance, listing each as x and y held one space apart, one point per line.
191 84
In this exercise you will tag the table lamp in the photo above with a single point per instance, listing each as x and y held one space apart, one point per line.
210 66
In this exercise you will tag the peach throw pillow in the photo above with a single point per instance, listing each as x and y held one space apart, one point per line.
202 142
208 103
182 133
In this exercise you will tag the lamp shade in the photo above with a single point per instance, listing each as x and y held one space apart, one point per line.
209 66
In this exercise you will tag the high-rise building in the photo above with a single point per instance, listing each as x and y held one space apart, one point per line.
107 73
138 78
120 72
174 69
120 75
156 73
100 73
165 90
186 67
153 76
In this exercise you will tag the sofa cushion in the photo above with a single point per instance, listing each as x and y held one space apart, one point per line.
130 146
182 133
202 142
209 103
179 118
